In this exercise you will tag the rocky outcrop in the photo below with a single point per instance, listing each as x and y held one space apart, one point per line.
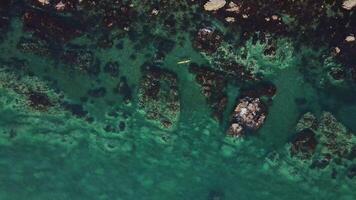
251 109
249 114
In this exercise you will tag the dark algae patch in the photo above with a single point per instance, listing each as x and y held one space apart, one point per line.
189 99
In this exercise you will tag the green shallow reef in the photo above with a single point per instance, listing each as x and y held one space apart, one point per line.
177 100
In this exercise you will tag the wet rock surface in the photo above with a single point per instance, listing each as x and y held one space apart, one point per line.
251 109
248 115
159 96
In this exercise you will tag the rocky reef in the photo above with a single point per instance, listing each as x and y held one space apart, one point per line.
323 140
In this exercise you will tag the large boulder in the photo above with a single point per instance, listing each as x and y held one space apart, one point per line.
249 114
213 5
251 108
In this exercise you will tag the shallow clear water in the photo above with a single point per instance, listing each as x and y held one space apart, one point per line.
55 154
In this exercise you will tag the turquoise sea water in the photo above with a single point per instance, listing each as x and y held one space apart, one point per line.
56 154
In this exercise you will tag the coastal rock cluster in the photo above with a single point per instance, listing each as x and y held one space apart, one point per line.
55 30
117 71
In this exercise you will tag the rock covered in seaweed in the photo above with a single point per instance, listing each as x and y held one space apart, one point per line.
39 100
321 145
81 59
262 89
213 86
336 139
34 46
207 40
51 27
4 15
307 121
304 144
158 97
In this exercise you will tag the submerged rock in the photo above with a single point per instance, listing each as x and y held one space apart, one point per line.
307 121
322 142
264 89
97 92
39 101
112 68
213 86
76 109
34 46
304 144
351 172
333 137
4 16
216 195
51 27
124 90
82 60
158 97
